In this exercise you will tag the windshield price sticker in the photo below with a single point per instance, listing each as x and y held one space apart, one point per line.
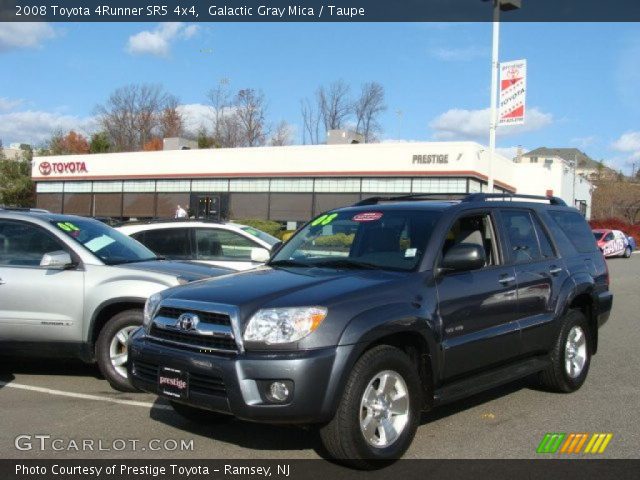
367 217
67 227
324 220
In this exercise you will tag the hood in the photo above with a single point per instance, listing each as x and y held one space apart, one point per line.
267 287
188 270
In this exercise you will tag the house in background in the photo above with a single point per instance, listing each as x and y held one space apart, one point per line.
571 157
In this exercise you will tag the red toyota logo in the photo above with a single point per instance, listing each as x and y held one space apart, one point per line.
45 168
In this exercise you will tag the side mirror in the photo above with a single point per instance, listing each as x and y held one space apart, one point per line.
275 247
463 257
259 255
58 259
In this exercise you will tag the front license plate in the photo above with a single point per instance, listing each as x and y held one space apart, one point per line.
173 383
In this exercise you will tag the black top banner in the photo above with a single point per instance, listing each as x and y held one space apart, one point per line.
318 10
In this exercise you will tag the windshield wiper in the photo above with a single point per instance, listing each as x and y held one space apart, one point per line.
287 263
345 263
134 260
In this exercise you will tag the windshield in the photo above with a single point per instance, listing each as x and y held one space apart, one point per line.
394 240
265 237
108 244
598 235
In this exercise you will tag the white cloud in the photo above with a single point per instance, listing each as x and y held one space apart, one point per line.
158 41
7 104
24 34
628 142
509 152
460 124
197 115
459 54
36 127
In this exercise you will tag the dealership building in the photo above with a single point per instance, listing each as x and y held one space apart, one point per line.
288 184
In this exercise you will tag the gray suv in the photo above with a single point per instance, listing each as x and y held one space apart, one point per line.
75 287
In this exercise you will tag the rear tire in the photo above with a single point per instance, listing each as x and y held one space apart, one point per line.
571 355
111 348
379 411
198 415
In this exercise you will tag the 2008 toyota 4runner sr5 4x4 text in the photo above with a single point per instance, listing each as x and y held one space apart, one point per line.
373 313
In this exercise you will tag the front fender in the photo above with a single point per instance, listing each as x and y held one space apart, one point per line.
367 329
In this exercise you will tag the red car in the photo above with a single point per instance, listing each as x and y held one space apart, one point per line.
612 243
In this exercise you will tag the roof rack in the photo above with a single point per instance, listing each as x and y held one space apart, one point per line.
461 197
23 209
480 197
413 197
151 221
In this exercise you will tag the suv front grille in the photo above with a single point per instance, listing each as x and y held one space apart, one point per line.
194 341
213 333
205 317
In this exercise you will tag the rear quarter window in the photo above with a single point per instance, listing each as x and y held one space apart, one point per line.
576 229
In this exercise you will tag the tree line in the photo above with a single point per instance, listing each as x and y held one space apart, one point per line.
137 117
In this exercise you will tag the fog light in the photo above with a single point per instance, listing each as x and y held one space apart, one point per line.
279 391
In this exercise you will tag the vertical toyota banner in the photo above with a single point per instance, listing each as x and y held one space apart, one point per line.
513 88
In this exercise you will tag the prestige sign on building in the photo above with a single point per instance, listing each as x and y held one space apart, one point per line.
513 88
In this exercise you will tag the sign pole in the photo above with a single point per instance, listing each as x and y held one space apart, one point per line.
493 125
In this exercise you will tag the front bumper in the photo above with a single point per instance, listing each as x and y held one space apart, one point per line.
233 384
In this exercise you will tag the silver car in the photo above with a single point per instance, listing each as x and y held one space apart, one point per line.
75 287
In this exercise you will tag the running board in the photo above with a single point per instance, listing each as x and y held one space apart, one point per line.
486 380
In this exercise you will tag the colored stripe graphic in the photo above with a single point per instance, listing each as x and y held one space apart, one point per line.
551 442
598 443
573 443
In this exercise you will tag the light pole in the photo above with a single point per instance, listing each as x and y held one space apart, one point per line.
498 5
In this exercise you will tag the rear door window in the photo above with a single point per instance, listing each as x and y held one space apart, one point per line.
545 244
172 243
576 229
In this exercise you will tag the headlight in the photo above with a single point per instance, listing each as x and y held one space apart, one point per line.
283 325
150 309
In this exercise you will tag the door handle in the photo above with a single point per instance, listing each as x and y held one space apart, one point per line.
505 280
2 282
555 270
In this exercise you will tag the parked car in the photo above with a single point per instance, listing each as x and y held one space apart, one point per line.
632 242
228 245
613 243
75 287
373 313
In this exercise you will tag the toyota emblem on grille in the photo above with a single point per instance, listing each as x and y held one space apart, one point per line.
188 321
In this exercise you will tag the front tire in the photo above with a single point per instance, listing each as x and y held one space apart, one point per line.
111 348
627 252
379 411
571 355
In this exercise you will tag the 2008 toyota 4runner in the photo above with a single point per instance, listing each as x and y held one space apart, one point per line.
373 313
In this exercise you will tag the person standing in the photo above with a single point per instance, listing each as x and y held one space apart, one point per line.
181 212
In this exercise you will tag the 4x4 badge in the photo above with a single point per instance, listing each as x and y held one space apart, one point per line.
188 321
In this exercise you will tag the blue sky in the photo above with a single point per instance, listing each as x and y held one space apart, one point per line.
582 88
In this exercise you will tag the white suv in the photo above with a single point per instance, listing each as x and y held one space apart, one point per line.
228 245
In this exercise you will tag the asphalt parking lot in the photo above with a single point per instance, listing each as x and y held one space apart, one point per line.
69 402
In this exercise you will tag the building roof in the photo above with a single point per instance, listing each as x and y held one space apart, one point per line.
567 154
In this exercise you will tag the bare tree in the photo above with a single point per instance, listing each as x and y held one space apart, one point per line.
334 104
250 111
171 120
282 135
220 99
311 123
132 114
368 108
